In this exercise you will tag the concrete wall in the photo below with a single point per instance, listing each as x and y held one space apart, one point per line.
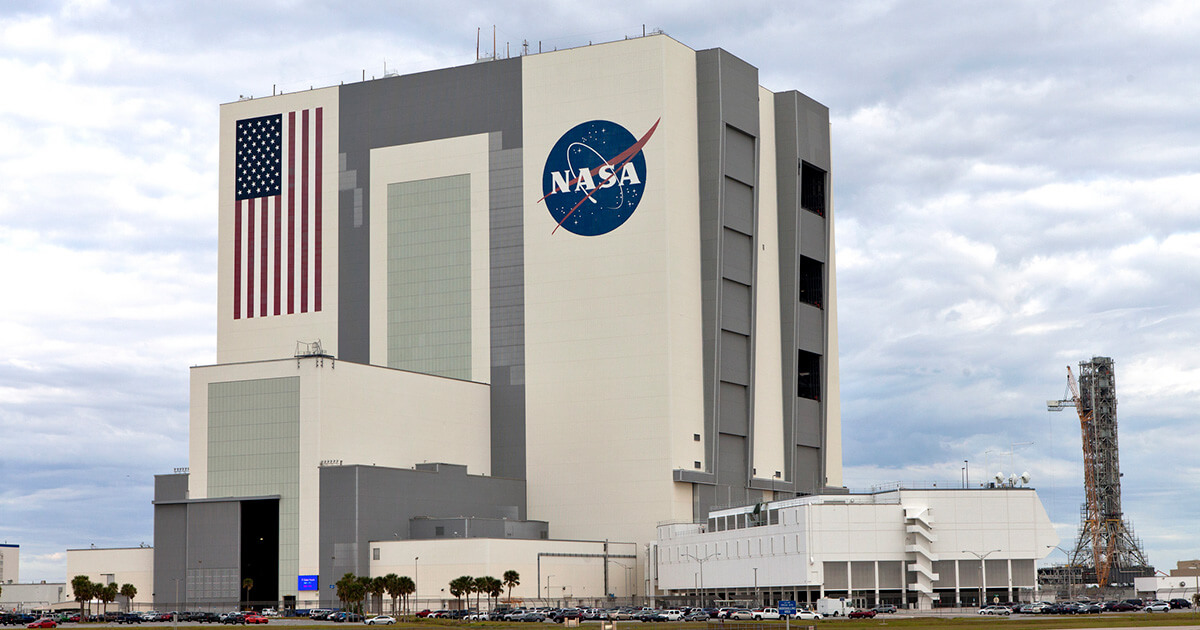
612 322
577 573
125 566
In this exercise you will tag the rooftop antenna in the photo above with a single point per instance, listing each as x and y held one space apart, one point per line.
477 29
493 41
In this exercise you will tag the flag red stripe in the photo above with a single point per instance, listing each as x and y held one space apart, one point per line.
262 247
304 212
291 188
237 260
278 240
250 259
317 216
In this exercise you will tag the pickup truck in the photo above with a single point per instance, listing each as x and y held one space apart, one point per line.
766 613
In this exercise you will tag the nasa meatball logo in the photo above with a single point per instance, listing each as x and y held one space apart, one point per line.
594 177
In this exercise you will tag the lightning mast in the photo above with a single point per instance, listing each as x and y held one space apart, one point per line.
1104 538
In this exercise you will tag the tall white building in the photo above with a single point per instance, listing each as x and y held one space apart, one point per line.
588 291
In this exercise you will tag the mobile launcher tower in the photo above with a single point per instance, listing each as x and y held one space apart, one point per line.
1106 552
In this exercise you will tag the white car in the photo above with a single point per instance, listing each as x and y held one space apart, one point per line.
381 620
807 614
1157 607
995 610
766 613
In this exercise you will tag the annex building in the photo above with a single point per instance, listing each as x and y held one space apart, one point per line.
515 314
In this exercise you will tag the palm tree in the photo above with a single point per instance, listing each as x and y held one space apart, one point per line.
107 594
247 584
378 587
128 591
83 589
494 588
511 579
391 584
407 587
345 587
459 586
479 587
361 590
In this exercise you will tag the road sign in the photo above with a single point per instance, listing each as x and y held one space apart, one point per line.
787 607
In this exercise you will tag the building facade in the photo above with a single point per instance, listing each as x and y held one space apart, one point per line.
915 548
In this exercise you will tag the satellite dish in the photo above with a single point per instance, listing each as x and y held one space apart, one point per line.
999 477
1025 477
1012 479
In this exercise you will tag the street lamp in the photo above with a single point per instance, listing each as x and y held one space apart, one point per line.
548 587
756 602
715 554
982 572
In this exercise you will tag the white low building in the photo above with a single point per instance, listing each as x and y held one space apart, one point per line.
914 548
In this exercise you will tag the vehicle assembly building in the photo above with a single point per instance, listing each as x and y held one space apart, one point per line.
518 314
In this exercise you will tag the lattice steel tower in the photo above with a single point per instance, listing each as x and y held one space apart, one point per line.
1105 541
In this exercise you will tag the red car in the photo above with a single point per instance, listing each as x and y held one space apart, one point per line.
862 614
255 619
44 622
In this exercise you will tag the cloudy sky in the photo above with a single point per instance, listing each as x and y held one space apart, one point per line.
1016 190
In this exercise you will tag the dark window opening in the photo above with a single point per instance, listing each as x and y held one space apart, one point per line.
438 530
812 282
812 188
808 375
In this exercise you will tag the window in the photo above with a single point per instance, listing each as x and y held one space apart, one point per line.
812 188
375 553
438 530
808 375
812 281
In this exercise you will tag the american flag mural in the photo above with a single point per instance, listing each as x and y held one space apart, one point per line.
277 208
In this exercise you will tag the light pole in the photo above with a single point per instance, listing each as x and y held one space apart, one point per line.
1070 572
982 573
548 587
416 596
710 556
756 602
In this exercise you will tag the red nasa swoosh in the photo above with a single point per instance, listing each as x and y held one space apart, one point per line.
619 161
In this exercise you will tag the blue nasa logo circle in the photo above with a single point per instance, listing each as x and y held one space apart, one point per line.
595 177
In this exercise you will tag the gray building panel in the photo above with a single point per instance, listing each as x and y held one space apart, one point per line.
801 135
402 110
736 307
171 487
432 106
360 504
727 113
170 547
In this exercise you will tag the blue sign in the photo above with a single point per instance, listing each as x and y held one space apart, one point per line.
306 583
594 177
787 607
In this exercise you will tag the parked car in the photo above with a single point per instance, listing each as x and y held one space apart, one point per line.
723 613
128 618
995 610
254 618
44 622
742 614
1151 607
766 613
381 620
885 608
807 614
862 614
1179 602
